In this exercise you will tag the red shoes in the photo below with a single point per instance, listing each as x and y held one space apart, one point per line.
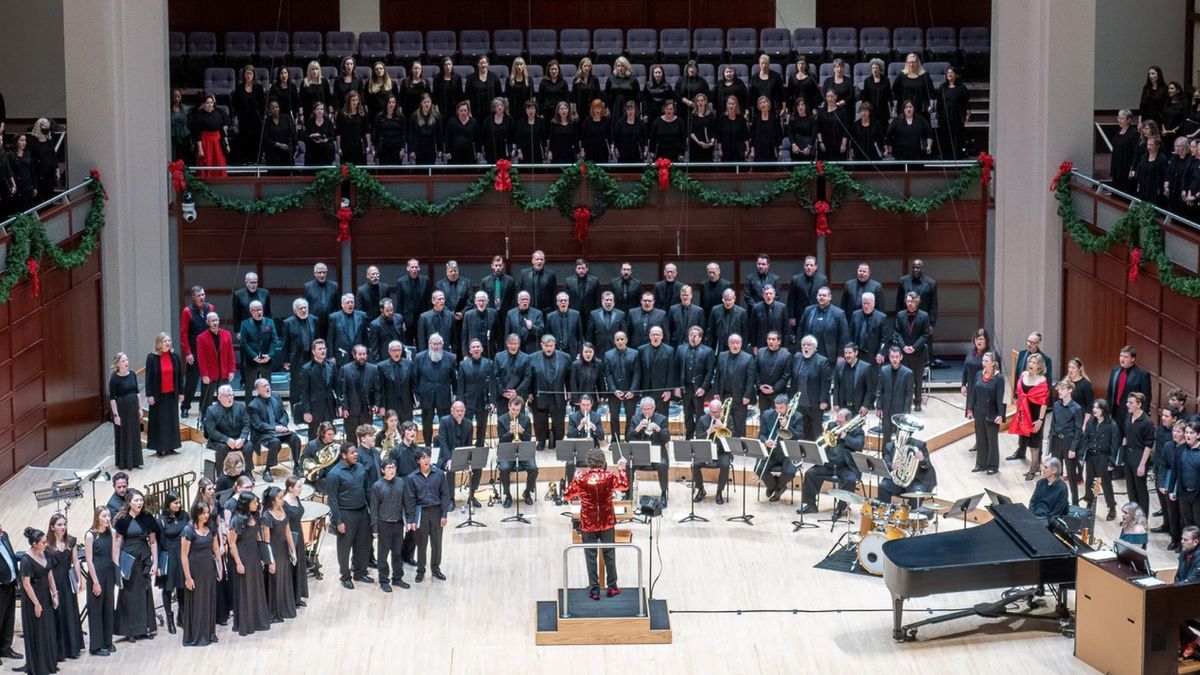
613 590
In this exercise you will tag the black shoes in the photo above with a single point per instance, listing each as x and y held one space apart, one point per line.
700 495
663 499
508 501
267 477
475 503
347 584
807 509
365 578
400 583
993 472
1161 529
1112 515
100 652
410 562
978 469
437 574
420 577
1014 456
385 587
528 496
720 498
774 495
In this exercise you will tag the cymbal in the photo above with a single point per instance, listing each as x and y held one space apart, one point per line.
938 505
918 495
847 496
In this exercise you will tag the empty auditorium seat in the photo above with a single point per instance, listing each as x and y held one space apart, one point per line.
894 68
937 71
641 43
508 44
861 72
777 43
464 71
975 44
374 46
709 72
176 44
741 44
274 45
307 45
501 71
407 46
439 43
219 82
941 44
841 42
608 43
907 41
328 73
675 44
261 75
708 43
397 73
201 44
473 44
239 47
875 42
362 72
574 43
567 72
340 44
810 43
543 44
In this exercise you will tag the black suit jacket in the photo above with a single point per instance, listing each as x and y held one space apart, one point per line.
576 418
457 293
736 375
481 326
541 292
764 319
297 340
666 293
476 382
514 324
345 331
622 370
154 375
434 382
323 299
512 372
850 386
1188 571
828 326
853 291
450 436
812 379
774 368
926 288
358 388
260 411
433 321
506 300
722 323
8 577
548 380
627 294
658 368
380 333
1137 380
872 333
660 437
915 335
396 386
315 391
804 293
241 303
412 298
894 393
710 293
256 340
222 424
368 296
985 400
753 285
567 331
680 319
640 322
504 431
584 294
695 368
601 329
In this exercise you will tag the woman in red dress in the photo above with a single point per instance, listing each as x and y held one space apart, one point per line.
1033 392
212 134
594 489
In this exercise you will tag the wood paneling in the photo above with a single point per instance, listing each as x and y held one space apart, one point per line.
220 16
51 367
896 14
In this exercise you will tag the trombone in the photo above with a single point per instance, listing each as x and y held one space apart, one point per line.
721 429
783 422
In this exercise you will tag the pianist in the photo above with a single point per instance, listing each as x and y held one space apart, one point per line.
1049 498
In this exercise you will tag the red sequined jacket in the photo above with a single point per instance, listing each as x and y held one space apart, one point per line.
594 489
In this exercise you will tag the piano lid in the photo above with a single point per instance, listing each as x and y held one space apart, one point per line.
1013 535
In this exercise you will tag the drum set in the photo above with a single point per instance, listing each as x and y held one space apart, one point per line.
880 522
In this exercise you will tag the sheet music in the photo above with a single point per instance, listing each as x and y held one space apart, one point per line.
1101 555
1149 582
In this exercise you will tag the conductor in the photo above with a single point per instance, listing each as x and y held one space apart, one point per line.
594 488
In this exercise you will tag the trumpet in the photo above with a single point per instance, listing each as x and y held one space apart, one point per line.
720 429
515 428
586 425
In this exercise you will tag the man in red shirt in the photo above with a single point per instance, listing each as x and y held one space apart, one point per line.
594 488
214 359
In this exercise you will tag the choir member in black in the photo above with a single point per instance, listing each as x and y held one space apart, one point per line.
242 297
924 286
386 505
269 427
1127 377
583 423
454 431
248 103
314 89
346 81
433 382
200 556
842 85
774 365
257 347
378 87
126 414
909 137
731 85
1166 450
605 323
552 91
320 439
766 82
840 469
285 92
981 343
765 132
315 399
1049 498
707 425
518 88
802 132
294 509
514 427
691 85
548 371
583 292
210 128
457 291
100 584
298 333
1150 172
447 88
627 289
735 378
526 322
954 113
777 461
497 133
1138 446
357 390
914 84
702 136
164 392
427 503
413 296
1154 95
462 134
369 295
826 324
481 323
425 132
226 583
38 605
1095 447
563 136
346 486
586 376
170 579
802 86
852 382
766 315
726 319
279 137
137 534
656 92
412 89
1179 167
683 314
22 169
812 379
232 468
911 333
482 89
181 137
695 368
622 375
867 136
667 135
803 291
251 612
1066 423
387 328
1035 343
319 138
877 91
650 426
353 130
1185 483
1124 152
657 365
985 405
733 137
281 594
893 395
120 483
60 553
477 388
622 87
595 131
833 121
642 319
389 134
540 281
925 479
530 136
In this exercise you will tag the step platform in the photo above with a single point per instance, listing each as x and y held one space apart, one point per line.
607 621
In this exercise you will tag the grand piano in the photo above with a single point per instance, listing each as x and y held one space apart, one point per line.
1015 549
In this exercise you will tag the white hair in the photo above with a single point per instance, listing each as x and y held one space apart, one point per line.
298 303
224 389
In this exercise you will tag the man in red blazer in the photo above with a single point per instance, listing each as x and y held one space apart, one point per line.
214 356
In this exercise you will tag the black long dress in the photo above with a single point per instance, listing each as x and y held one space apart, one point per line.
802 133
736 89
288 97
200 605
447 93
295 516
45 162
772 88
411 92
866 142
248 108
917 89
973 365
352 133
22 170
629 140
41 636
703 127
594 135
162 423
831 126
101 608
953 102
66 615
531 140
668 139
497 138
388 136
127 438
765 137
583 93
550 94
908 138
250 613
731 136
135 603
1151 174
564 143
518 93
278 133
168 545
311 94
281 590
879 95
843 90
1124 155
806 89
318 142
481 93
462 140
424 137
377 100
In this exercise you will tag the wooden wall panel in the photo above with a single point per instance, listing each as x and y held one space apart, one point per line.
226 15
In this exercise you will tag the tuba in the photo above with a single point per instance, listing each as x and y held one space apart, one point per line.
326 456
904 461
724 431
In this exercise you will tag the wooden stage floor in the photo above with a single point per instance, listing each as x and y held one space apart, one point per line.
793 618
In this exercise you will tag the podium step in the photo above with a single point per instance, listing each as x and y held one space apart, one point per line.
608 621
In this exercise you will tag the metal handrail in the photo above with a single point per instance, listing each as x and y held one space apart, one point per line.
33 210
598 545
1103 136
1101 187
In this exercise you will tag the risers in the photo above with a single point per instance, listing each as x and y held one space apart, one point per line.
608 621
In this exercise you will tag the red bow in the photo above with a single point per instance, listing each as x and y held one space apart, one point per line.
583 219
32 266
178 182
822 210
1063 169
344 214
345 172
1135 260
582 169
664 172
988 162
503 179
820 168
95 174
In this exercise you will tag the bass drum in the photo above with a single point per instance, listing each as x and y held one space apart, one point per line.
870 549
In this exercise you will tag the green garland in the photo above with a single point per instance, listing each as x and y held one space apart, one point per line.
1139 228
606 192
30 241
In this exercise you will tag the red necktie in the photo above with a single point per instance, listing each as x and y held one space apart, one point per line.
1121 386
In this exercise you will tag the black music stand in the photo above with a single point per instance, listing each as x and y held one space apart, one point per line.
965 505
747 447
692 453
468 458
573 450
798 451
516 452
635 454
869 465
